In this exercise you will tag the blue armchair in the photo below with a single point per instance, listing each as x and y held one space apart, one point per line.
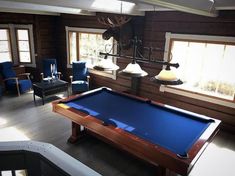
12 82
80 78
50 69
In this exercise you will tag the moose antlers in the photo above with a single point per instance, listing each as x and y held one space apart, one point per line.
115 21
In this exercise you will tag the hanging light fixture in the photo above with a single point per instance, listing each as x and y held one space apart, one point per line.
166 77
105 64
133 69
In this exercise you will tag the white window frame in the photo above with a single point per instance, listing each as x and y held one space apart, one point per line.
12 31
91 30
164 88
9 41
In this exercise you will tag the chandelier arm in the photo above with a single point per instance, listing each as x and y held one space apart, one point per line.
138 59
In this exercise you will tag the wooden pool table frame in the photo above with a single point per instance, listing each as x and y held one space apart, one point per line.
145 150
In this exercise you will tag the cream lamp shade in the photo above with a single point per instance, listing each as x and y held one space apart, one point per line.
134 69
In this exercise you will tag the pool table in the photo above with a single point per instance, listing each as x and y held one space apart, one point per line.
168 137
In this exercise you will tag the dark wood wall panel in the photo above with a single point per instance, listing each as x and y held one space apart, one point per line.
83 22
44 36
154 26
50 41
45 32
71 21
13 18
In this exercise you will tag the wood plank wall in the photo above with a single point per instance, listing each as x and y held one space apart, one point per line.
44 36
85 22
11 18
177 22
45 39
155 25
71 21
50 41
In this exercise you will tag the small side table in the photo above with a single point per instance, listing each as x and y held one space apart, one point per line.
43 89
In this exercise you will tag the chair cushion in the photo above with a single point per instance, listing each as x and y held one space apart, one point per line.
80 71
24 85
80 86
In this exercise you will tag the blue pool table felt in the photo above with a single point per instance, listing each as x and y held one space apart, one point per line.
175 131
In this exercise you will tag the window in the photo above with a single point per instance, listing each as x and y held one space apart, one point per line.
73 54
5 46
206 67
85 44
16 44
23 45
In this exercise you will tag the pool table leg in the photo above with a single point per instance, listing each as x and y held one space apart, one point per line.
76 133
161 171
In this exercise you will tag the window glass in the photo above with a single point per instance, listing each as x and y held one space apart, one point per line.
3 34
5 57
5 46
205 67
25 57
23 45
85 44
23 34
73 46
90 45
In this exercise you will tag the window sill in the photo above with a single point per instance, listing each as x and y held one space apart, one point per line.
229 104
100 73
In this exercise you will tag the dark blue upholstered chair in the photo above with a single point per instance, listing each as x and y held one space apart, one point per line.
12 81
80 78
48 72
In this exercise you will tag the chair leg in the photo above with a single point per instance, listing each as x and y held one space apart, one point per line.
18 89
42 76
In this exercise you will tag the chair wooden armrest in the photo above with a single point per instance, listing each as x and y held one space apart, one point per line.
71 79
15 78
88 78
25 74
59 74
42 75
17 83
